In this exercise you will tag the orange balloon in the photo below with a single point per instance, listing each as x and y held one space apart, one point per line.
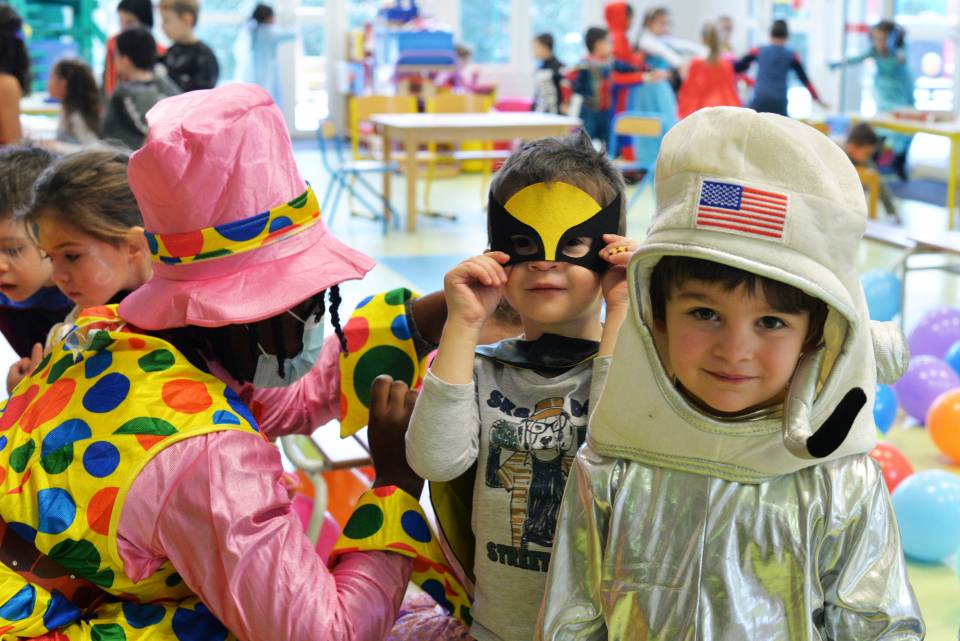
893 463
943 424
344 488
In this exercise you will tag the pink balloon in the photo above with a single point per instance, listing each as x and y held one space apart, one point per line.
927 378
936 332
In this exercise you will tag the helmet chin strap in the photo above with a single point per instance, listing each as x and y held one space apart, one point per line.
799 437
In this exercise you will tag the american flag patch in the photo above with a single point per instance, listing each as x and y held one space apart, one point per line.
736 208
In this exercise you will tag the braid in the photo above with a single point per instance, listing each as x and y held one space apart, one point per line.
276 326
320 304
335 317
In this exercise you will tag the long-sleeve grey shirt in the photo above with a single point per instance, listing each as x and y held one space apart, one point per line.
523 430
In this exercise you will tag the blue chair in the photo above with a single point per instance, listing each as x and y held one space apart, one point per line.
348 175
647 130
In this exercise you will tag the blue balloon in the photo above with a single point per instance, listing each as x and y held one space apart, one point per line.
882 290
953 357
927 505
884 408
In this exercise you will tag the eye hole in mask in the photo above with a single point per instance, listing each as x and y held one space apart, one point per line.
574 248
577 247
524 245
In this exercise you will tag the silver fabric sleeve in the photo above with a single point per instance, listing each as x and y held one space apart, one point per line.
572 603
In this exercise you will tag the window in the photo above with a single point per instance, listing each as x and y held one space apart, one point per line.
926 8
563 20
931 62
485 29
221 38
931 49
311 76
360 12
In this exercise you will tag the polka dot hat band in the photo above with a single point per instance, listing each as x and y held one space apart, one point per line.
238 236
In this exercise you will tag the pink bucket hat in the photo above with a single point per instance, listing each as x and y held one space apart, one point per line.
234 231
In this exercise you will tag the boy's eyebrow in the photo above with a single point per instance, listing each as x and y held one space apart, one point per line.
69 243
695 295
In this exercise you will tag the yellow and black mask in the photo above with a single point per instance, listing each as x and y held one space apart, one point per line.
553 221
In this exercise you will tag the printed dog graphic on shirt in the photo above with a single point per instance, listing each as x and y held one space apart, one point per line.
539 451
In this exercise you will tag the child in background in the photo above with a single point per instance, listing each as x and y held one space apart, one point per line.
774 63
132 14
548 78
892 83
708 82
516 411
861 147
71 82
29 303
89 225
139 90
592 82
14 74
190 63
667 53
256 50
725 490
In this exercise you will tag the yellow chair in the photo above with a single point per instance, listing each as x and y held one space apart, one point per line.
448 103
362 107
870 180
646 129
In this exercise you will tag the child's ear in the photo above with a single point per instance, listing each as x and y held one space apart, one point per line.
136 243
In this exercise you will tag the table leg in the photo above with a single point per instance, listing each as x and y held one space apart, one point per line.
952 183
387 144
411 171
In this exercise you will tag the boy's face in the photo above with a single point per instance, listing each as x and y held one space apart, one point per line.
730 349
23 270
860 154
176 27
125 67
601 49
540 51
555 295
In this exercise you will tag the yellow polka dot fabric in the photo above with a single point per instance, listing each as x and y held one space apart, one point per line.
73 437
390 520
379 341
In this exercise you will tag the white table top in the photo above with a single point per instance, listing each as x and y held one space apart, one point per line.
474 120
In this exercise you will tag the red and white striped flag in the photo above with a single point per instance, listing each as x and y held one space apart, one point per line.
746 210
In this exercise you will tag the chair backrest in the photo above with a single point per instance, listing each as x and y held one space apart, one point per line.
327 136
647 130
458 103
822 127
362 107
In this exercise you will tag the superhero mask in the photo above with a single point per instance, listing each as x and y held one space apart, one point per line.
553 221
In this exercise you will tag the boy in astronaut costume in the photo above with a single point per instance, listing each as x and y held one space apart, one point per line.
725 489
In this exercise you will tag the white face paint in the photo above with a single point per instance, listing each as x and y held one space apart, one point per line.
87 270
267 373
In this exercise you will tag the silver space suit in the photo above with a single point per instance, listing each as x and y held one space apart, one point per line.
678 525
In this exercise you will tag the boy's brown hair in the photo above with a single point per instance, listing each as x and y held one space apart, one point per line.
88 190
863 135
20 166
182 7
673 271
571 159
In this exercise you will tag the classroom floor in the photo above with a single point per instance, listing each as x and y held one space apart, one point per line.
420 261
